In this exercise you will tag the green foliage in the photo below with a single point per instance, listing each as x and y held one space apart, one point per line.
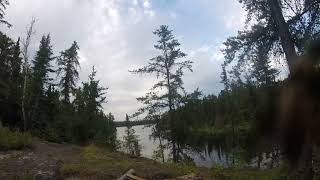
14 140
10 81
236 123
183 168
42 67
105 164
273 29
158 153
47 116
130 143
40 109
68 63
3 6
247 174
169 69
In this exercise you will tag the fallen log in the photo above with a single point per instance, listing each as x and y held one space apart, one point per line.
130 176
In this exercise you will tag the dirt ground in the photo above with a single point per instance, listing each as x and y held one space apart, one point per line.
48 161
43 161
51 161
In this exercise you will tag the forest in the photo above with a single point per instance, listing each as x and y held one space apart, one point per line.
42 96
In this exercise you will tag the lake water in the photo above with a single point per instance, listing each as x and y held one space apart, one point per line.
204 158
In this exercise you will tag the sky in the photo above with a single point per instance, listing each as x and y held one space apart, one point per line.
116 36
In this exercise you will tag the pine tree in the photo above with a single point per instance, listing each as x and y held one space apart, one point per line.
282 27
6 48
263 73
3 7
94 94
130 140
16 73
40 81
92 122
170 69
68 64
10 81
42 67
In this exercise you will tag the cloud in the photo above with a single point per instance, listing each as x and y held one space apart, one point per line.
116 36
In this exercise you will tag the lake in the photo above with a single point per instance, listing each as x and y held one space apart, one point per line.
202 158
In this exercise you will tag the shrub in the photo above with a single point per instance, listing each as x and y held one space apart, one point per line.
10 140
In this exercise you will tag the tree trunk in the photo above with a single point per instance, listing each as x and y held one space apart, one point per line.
23 102
316 161
259 160
287 42
162 150
26 44
170 115
233 142
306 162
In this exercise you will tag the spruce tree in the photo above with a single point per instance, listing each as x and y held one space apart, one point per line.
169 68
88 105
68 64
3 7
10 81
94 93
16 73
6 49
40 82
282 27
130 140
262 71
42 67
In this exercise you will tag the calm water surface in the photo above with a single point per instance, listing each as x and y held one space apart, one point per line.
202 158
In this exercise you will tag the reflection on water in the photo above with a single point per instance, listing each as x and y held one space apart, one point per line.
206 157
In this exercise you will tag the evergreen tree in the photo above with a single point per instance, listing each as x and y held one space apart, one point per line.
5 46
42 67
170 69
40 81
16 75
3 7
263 73
10 80
94 94
282 27
88 104
130 140
68 64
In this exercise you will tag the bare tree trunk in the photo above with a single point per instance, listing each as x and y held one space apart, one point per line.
162 149
283 32
26 43
170 115
259 160
233 142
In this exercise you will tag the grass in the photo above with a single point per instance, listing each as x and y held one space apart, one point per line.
246 174
100 162
10 140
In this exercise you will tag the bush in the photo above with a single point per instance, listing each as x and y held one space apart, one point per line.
13 140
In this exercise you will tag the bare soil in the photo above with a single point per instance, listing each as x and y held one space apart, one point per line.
48 161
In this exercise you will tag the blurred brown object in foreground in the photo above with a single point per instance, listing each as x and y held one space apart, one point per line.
300 113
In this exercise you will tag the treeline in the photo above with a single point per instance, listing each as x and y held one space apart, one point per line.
237 123
40 94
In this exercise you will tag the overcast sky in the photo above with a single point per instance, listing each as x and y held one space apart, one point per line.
116 36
